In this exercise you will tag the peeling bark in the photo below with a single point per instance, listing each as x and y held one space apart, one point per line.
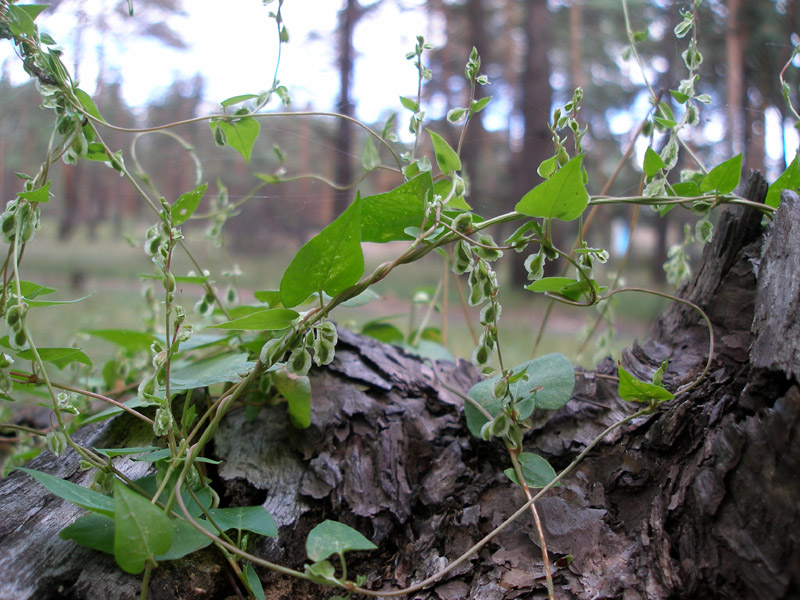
698 500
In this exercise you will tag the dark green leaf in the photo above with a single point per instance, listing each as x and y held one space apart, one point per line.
60 357
186 539
723 178
665 123
248 518
113 411
297 392
385 332
446 157
788 180
253 582
552 373
186 204
271 319
563 196
128 339
113 452
71 492
384 217
332 537
92 531
536 471
141 530
331 261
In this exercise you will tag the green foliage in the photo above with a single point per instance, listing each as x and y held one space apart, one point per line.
536 471
545 383
189 370
141 530
329 262
332 537
563 196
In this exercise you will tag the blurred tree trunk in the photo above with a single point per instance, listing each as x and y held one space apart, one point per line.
576 34
536 97
734 50
348 17
473 142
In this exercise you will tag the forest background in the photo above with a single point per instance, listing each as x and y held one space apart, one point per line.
535 53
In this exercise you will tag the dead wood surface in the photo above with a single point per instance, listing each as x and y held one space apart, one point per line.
699 500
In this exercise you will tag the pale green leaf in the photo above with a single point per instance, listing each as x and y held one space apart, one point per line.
186 204
536 471
271 319
218 369
297 392
563 196
248 518
240 134
446 157
331 261
332 537
633 390
40 195
370 160
237 99
788 180
723 178
128 339
653 163
385 217
552 373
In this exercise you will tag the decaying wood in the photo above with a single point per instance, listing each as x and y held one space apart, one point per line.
699 500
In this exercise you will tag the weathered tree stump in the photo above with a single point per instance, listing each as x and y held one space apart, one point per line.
699 500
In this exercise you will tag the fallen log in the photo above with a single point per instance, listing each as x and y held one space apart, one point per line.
698 500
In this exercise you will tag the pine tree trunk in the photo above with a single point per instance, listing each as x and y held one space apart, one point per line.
698 500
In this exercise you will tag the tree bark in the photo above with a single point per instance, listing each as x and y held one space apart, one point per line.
698 500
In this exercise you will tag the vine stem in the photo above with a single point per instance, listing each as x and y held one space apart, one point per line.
690 304
225 117
512 452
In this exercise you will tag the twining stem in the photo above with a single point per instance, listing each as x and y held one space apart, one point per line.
690 304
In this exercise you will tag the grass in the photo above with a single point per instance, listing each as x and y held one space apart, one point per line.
109 267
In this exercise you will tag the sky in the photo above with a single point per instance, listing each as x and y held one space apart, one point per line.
235 49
